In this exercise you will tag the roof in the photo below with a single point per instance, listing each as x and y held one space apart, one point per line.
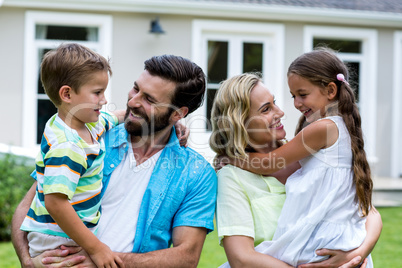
393 6
369 13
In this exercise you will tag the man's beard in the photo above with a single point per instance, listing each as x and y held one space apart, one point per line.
149 126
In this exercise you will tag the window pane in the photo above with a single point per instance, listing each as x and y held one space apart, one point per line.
45 110
217 61
346 46
354 74
210 100
56 32
252 57
41 53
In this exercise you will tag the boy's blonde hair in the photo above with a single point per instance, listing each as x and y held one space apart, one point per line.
229 113
70 64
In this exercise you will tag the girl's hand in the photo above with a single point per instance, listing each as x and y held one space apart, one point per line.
182 133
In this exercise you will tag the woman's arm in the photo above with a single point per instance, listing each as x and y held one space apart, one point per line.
241 253
318 135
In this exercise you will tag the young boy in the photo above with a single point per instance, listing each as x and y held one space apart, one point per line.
65 210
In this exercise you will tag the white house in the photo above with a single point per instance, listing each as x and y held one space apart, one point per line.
224 37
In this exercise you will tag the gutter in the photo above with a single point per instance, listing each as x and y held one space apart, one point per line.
222 10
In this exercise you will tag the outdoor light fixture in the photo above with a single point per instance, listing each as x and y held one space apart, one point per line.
156 27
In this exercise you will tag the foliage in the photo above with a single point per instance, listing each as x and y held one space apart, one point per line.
14 183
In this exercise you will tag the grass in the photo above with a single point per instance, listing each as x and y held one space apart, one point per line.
385 254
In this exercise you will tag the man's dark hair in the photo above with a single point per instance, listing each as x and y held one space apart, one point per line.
188 76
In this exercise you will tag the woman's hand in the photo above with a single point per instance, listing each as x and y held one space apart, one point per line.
336 260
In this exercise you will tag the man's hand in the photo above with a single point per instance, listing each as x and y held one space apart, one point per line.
63 257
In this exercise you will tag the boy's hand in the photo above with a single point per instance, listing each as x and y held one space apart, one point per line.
104 257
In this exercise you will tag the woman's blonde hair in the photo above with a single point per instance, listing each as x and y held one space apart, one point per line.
230 111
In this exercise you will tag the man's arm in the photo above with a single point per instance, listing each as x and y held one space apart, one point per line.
19 237
186 251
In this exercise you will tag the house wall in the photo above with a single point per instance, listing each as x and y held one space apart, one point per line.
11 55
132 44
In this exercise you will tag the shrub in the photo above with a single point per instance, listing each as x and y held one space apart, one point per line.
14 183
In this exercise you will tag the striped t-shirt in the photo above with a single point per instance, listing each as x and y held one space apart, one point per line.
67 164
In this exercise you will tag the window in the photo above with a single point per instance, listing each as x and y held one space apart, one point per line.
227 48
350 51
250 61
45 31
358 49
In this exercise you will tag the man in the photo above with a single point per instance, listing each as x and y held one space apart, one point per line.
155 193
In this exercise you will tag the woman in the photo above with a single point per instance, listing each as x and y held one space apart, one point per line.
245 119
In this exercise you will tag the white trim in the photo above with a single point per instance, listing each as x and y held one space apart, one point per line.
223 10
396 144
246 31
367 103
271 35
104 47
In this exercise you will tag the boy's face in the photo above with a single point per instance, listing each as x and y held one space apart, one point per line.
88 101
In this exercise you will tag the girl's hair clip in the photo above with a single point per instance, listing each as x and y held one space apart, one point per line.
341 77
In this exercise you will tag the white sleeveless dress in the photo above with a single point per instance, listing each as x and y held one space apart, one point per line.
320 209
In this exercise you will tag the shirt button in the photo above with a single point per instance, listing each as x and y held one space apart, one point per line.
112 165
125 145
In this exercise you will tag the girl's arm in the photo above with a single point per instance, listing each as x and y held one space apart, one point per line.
64 214
338 257
241 253
318 135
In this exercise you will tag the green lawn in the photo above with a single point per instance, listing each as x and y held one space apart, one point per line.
385 254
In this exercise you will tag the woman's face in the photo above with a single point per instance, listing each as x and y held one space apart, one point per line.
264 121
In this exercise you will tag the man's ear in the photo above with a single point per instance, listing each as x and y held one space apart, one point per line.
179 113
65 93
332 90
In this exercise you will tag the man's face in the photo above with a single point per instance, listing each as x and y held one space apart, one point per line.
149 106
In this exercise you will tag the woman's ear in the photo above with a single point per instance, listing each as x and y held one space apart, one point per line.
332 90
65 93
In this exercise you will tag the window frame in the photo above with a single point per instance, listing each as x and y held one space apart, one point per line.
31 46
368 81
396 154
236 33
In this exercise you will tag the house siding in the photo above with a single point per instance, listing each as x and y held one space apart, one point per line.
132 45
11 55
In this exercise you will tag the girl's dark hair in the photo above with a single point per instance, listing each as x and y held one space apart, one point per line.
321 67
188 76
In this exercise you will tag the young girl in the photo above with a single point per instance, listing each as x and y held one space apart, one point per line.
329 197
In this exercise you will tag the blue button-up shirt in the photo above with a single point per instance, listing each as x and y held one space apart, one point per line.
181 191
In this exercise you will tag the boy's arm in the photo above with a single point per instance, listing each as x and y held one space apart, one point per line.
64 214
19 237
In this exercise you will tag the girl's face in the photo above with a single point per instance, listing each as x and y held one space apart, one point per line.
264 121
311 100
